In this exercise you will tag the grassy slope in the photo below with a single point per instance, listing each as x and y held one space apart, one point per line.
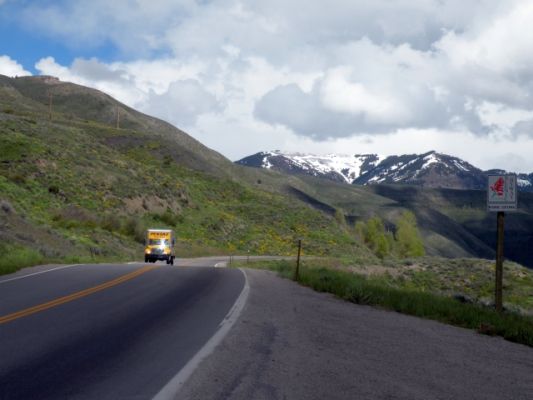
118 169
79 187
74 103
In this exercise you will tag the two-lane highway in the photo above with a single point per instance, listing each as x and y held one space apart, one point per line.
107 331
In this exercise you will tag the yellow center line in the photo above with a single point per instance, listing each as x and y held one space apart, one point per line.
74 296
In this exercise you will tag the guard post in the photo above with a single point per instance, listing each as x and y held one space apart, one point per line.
297 270
501 197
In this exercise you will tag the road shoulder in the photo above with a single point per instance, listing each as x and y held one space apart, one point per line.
293 343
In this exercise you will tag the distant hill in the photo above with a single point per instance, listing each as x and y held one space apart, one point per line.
76 186
77 104
432 169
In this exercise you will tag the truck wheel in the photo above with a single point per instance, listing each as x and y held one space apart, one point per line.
145 259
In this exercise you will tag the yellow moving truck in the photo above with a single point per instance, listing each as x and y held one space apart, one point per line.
159 245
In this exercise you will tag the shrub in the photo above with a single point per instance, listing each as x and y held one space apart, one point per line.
407 241
134 228
111 223
169 218
17 257
339 217
375 237
74 216
54 189
408 236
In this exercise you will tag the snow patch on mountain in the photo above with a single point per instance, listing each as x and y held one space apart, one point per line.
523 182
429 159
430 169
348 167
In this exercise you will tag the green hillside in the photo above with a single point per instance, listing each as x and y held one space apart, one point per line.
76 186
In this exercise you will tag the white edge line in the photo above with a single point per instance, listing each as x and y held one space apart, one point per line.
39 273
171 389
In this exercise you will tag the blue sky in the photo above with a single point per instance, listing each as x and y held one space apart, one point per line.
28 45
354 77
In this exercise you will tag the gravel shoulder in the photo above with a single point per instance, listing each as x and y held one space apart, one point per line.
293 343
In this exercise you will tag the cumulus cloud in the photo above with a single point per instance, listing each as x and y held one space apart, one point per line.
324 113
182 103
164 95
94 70
299 69
133 26
395 88
11 68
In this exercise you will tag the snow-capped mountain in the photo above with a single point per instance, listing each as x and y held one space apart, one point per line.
340 168
431 169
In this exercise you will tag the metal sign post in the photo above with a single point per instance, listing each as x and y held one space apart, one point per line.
501 197
498 290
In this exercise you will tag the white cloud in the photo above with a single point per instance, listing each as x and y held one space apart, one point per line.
136 27
501 45
183 102
339 93
11 68
242 75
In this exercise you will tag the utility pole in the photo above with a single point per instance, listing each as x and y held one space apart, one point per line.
498 295
50 106
118 118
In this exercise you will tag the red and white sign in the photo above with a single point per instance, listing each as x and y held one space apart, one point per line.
501 193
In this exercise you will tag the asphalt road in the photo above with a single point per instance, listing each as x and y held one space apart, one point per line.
117 331
135 332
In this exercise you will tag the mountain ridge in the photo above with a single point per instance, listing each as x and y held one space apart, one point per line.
76 186
430 169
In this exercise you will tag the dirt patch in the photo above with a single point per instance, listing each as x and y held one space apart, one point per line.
43 165
155 204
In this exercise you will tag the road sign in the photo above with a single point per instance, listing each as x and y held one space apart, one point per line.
501 193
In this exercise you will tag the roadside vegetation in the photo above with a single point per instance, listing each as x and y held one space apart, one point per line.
378 286
404 242
76 188
17 257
